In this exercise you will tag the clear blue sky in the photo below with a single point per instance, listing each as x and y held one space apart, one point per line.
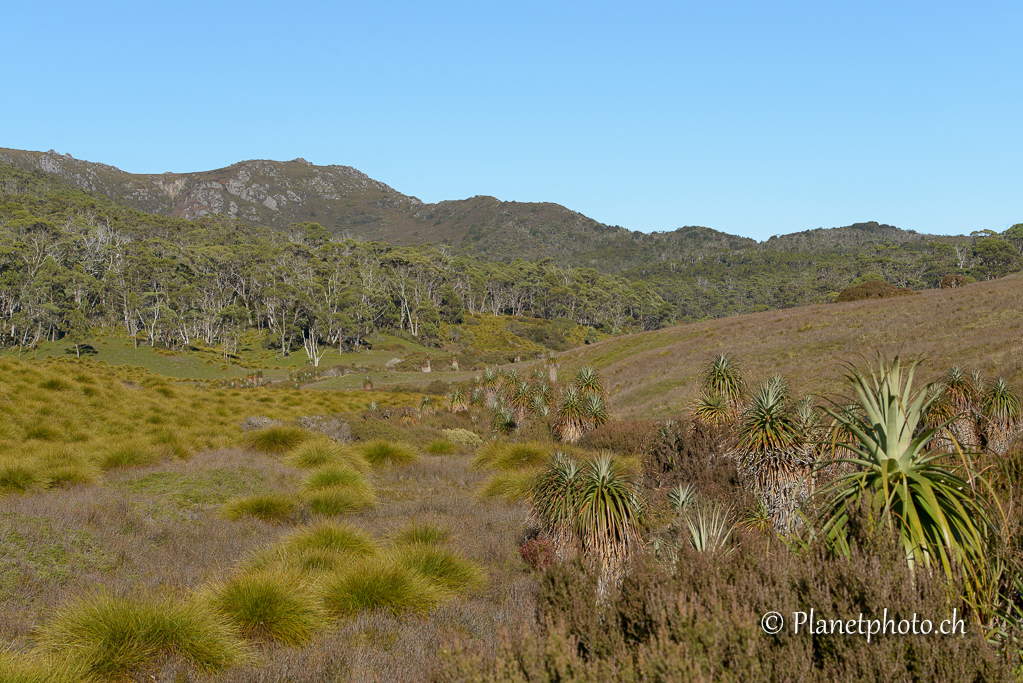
754 118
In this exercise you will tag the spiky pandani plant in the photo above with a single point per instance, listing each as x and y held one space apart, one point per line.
723 377
941 518
680 497
770 451
1000 408
597 413
521 400
955 408
457 401
588 381
490 384
609 511
713 409
550 363
503 420
553 499
477 397
538 406
723 391
571 418
708 527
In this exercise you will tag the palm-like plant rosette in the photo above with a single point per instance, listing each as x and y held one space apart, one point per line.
939 516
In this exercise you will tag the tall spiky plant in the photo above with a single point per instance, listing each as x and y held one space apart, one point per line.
769 449
550 363
457 401
608 519
723 392
490 384
538 406
1000 408
588 381
723 377
597 413
956 407
521 399
553 499
570 420
940 518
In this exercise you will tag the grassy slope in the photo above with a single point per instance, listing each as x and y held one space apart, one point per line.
979 327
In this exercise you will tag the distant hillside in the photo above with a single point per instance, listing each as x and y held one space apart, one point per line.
342 199
978 327
350 203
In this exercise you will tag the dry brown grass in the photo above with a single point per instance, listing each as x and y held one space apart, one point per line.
655 374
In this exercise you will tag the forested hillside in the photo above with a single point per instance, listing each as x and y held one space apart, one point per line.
72 261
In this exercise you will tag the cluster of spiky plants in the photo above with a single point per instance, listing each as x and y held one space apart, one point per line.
970 416
583 407
594 508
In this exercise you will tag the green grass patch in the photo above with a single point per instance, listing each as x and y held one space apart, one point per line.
270 507
210 487
23 668
274 605
334 475
382 453
19 477
111 636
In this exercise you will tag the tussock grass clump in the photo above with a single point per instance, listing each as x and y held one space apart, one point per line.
314 453
273 605
111 636
441 447
133 453
335 538
272 507
372 585
340 500
382 453
276 440
327 477
21 669
19 477
511 487
63 465
440 566
423 534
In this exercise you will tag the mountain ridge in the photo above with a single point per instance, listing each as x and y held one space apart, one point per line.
351 204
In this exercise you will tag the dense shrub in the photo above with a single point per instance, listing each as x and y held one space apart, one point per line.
684 452
537 553
700 621
624 438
